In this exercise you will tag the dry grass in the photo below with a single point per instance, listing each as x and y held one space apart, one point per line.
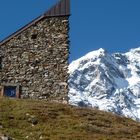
41 120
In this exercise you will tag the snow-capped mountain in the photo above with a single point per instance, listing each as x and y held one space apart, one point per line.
109 82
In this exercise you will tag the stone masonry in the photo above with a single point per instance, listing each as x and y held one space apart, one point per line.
37 59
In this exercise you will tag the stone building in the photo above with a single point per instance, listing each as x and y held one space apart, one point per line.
34 60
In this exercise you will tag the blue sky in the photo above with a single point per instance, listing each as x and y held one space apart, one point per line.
110 24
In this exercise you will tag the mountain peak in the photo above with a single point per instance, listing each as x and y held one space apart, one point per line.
89 57
108 82
97 53
135 50
94 54
101 50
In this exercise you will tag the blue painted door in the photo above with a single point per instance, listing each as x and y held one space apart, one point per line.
10 91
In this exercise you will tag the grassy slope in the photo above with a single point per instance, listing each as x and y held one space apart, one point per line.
54 121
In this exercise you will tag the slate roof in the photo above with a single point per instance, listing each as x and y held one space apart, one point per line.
62 8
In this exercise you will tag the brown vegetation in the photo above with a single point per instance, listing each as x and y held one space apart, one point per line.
34 120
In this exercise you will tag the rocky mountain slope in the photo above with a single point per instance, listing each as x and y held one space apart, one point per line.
109 82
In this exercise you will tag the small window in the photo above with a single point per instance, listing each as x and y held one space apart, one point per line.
34 36
10 90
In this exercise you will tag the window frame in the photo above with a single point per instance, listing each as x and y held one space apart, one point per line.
18 89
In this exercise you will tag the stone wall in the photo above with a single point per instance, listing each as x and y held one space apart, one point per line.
37 59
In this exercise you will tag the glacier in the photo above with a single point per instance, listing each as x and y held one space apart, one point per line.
109 82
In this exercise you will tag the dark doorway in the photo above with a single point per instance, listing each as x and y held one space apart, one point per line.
10 91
